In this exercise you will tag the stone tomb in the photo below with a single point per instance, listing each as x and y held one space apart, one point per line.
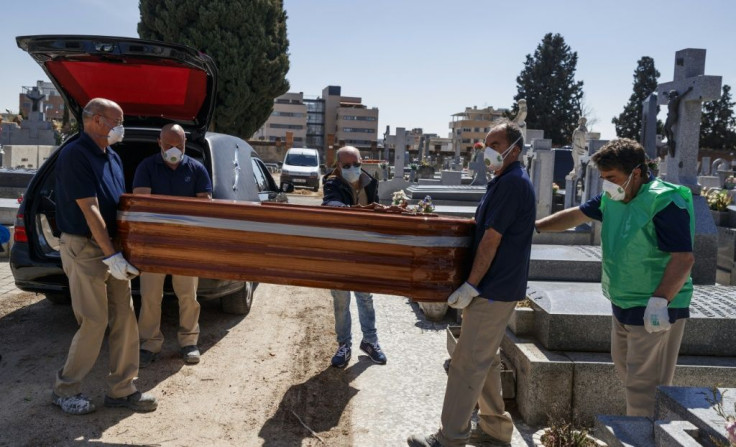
684 417
565 262
585 384
448 195
562 310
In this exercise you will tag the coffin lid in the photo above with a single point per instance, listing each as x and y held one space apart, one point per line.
155 83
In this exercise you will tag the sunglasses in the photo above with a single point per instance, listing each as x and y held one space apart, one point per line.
355 165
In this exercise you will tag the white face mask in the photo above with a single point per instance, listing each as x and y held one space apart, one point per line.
615 192
115 135
172 155
351 175
494 160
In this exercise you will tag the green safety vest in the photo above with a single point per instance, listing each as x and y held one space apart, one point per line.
633 264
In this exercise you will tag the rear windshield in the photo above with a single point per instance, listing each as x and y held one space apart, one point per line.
301 160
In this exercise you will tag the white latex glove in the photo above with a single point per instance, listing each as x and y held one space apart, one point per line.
460 298
656 317
120 268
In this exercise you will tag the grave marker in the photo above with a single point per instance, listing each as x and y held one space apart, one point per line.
692 87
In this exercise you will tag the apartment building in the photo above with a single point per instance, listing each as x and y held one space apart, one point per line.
472 125
319 122
289 115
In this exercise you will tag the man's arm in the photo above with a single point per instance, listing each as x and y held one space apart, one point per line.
484 256
562 220
91 209
675 275
204 195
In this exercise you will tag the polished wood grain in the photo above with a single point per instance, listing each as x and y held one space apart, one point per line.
421 257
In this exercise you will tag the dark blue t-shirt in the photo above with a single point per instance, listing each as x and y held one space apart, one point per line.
189 178
509 207
83 170
672 226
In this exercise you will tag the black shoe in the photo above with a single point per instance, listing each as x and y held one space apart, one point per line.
146 358
342 356
136 402
423 441
190 354
374 352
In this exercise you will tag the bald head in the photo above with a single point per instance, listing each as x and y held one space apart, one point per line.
173 131
172 136
99 106
347 152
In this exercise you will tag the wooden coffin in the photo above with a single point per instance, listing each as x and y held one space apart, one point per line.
421 257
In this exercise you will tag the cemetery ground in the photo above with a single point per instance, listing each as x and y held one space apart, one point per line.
264 379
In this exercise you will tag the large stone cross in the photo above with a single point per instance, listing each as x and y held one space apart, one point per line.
691 87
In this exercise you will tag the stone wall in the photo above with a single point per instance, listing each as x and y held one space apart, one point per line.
25 156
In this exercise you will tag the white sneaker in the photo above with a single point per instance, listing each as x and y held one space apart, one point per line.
78 404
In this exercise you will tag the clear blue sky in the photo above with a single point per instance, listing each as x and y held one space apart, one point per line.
420 61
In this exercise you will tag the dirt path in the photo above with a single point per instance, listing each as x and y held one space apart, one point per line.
241 393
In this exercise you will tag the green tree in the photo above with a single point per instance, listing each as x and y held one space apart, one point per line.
718 124
628 123
548 84
246 39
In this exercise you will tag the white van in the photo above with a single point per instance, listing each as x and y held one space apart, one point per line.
301 168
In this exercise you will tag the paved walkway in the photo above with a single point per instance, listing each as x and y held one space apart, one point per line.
7 283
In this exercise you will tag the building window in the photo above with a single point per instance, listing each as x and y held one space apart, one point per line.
286 126
357 118
357 130
291 114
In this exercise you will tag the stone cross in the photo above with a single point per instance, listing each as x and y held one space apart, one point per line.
688 77
649 126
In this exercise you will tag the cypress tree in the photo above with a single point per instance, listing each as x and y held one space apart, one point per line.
246 39
628 123
718 124
548 84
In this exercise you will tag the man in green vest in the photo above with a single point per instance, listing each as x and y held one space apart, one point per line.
647 229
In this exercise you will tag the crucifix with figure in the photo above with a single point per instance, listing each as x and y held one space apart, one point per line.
687 91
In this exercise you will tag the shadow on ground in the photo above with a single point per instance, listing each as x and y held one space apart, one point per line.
316 405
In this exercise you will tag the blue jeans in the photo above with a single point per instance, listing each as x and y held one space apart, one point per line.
366 315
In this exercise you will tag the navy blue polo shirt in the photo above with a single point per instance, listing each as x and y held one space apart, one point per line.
83 170
189 178
509 207
672 226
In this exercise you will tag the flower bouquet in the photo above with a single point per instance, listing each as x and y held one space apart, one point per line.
400 198
425 206
718 199
478 146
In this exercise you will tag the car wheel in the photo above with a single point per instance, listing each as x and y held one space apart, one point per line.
59 298
238 303
316 188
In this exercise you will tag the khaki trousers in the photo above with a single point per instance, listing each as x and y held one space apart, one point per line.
644 361
149 321
475 375
98 300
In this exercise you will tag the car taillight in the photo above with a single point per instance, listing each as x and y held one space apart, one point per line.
19 234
